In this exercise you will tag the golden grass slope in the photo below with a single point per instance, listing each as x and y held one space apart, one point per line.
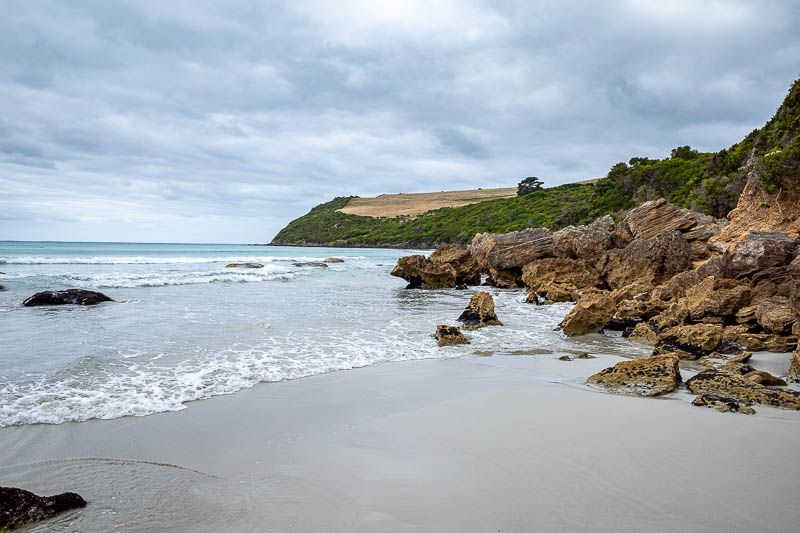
395 205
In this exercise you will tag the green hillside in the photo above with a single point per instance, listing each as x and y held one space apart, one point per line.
707 182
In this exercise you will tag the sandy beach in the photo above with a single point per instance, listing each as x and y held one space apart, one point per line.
501 443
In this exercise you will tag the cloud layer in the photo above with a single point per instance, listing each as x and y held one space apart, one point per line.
221 121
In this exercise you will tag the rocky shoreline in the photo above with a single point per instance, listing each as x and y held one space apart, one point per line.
710 291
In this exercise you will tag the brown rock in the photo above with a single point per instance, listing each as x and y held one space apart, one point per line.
718 297
649 376
333 260
479 312
447 267
592 313
553 292
741 389
450 335
652 260
774 315
19 507
794 367
639 310
659 216
760 250
565 358
543 272
244 265
514 249
638 290
723 404
585 242
690 342
767 342
643 334
508 278
675 314
676 287
764 378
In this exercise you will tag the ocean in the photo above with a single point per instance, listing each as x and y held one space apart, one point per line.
183 327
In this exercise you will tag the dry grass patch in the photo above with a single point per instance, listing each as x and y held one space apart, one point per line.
395 205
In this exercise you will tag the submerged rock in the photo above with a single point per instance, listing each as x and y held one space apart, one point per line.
244 265
741 389
319 264
592 313
19 507
450 335
723 404
67 297
479 312
333 260
650 376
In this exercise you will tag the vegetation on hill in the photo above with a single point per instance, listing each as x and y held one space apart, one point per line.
706 182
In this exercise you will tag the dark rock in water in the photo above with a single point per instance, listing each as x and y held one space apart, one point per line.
449 335
479 312
565 358
311 264
447 267
19 507
723 404
244 265
333 260
584 355
2 287
67 297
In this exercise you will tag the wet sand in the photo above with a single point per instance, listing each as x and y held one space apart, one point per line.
500 443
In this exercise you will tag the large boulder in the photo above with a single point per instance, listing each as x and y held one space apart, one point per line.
593 312
676 287
67 297
741 389
449 336
244 265
690 342
643 333
505 278
479 312
717 297
774 315
653 260
760 250
333 260
585 242
659 216
447 267
675 314
569 273
19 507
511 250
650 376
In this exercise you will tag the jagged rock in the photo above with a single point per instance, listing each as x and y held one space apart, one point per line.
675 288
570 274
304 264
775 315
652 260
585 242
479 312
718 297
592 313
794 367
447 267
690 342
244 265
767 342
643 334
743 390
746 316
584 355
508 278
3 288
450 335
565 358
333 260
67 297
638 290
552 292
764 378
649 376
514 249
659 216
635 311
19 507
704 232
675 314
760 250
723 404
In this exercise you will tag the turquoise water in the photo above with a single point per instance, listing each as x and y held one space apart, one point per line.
184 327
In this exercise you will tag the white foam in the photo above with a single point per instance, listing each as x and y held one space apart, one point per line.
149 260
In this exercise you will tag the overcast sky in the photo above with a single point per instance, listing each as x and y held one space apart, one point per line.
194 121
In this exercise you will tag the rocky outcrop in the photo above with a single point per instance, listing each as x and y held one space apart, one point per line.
764 378
659 216
716 297
741 389
244 265
644 334
676 287
774 315
333 260
588 243
593 312
759 251
19 507
449 335
653 260
447 267
759 210
479 312
508 278
318 264
723 404
649 376
555 278
67 297
690 342
511 250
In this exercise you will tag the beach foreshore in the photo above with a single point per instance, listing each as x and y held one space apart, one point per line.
501 443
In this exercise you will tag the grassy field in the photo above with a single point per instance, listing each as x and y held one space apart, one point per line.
395 205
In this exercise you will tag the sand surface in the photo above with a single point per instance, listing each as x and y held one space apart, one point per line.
393 205
500 443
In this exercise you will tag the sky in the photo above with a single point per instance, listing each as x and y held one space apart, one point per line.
201 121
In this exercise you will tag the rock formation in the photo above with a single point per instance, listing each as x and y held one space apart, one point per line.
479 312
723 404
650 376
67 297
741 389
592 313
333 260
244 265
19 507
318 264
447 267
449 335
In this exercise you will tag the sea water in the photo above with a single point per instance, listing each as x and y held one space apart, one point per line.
184 327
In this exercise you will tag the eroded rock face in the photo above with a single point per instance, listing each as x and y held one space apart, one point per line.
644 334
333 260
659 216
511 250
67 297
19 507
479 312
653 260
447 267
244 265
741 389
764 378
632 312
585 242
649 376
794 367
570 274
675 314
759 251
723 404
774 315
676 287
690 342
717 297
509 278
450 335
592 313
